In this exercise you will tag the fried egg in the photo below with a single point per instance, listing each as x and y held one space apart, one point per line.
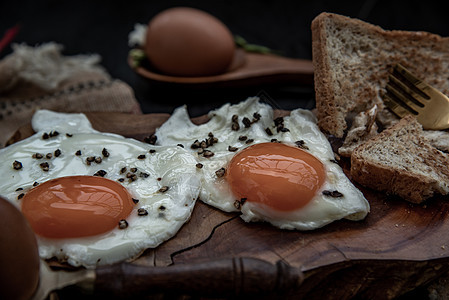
281 171
96 198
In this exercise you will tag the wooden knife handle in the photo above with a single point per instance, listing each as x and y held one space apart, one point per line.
218 278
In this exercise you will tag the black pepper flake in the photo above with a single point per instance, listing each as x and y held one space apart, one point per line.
100 173
121 179
279 123
105 152
159 179
57 152
278 120
238 203
135 201
196 144
122 224
48 156
235 123
142 212
19 189
17 165
144 175
243 138
249 141
256 117
150 139
69 134
333 194
162 207
37 155
268 131
45 136
141 156
54 133
208 153
20 196
220 172
152 151
163 189
213 140
232 149
98 159
89 160
210 141
78 153
133 170
35 183
123 170
45 166
201 145
246 122
180 145
275 141
199 165
301 144
131 176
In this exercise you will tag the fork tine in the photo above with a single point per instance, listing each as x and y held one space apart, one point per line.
409 76
414 84
397 108
401 91
406 94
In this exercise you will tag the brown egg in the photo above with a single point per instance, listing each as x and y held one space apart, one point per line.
19 256
185 41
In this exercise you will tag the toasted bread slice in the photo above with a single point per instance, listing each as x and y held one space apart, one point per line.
352 60
401 161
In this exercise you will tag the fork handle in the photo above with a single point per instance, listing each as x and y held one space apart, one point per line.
223 278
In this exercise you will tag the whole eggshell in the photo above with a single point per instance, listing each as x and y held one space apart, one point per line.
19 256
184 41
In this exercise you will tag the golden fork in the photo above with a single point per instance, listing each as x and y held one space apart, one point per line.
406 95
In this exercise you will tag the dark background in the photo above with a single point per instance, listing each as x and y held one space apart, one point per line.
102 27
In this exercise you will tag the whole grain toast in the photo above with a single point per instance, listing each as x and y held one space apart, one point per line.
352 60
401 161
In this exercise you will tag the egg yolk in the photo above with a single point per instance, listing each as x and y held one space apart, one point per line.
283 177
76 206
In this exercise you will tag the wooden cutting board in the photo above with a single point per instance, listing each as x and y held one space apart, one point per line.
398 247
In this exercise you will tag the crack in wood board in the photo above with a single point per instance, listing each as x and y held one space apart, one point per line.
202 222
202 242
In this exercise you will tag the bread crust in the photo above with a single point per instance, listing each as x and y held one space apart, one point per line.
352 60
384 173
326 109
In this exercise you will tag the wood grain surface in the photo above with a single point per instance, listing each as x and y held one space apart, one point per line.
398 247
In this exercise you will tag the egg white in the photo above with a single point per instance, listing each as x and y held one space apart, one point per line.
301 125
169 166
